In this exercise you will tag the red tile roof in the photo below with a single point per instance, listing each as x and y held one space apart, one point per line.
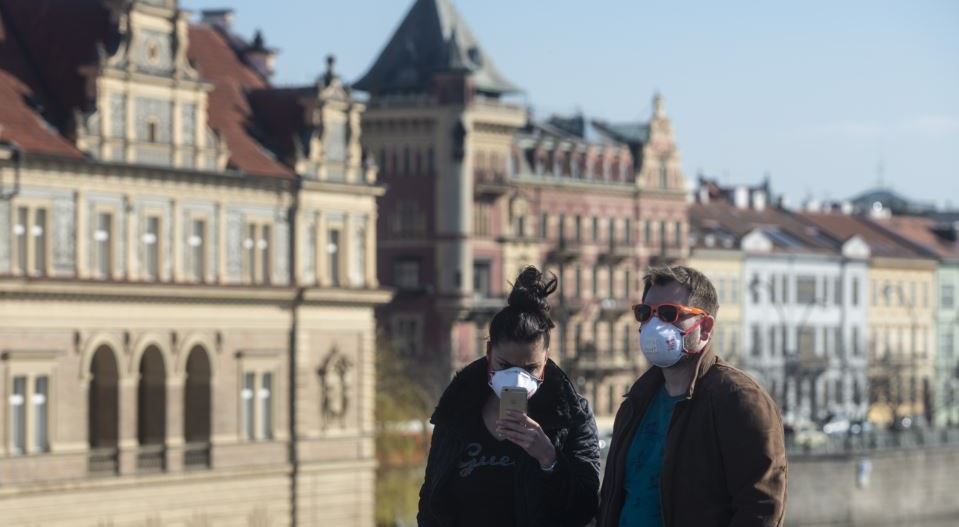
920 231
19 121
881 243
230 112
46 45
788 233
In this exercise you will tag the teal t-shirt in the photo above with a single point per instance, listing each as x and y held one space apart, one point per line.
644 464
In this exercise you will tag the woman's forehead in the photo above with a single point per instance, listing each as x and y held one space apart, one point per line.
520 352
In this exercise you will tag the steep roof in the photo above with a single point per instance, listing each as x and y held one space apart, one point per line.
230 111
787 233
433 38
845 226
922 232
630 133
20 122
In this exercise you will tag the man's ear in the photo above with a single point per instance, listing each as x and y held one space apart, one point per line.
706 328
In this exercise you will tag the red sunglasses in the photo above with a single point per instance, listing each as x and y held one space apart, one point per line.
668 313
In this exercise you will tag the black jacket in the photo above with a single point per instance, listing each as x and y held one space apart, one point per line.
569 496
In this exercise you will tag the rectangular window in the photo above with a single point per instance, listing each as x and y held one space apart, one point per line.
561 227
246 398
358 265
757 338
807 340
407 336
188 124
406 274
948 296
40 413
151 241
612 231
806 290
333 257
925 295
837 291
772 341
946 344
595 228
265 247
838 344
627 285
856 347
20 231
18 415
103 237
543 225
579 282
266 406
482 279
647 232
785 288
595 283
579 228
197 242
855 292
39 233
678 233
249 252
628 231
754 288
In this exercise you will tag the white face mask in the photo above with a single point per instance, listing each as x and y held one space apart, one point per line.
514 378
662 343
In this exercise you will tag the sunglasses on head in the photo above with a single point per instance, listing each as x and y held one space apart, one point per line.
668 313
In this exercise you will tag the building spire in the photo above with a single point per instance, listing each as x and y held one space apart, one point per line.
658 105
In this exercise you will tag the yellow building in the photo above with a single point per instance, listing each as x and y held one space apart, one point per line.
187 277
724 268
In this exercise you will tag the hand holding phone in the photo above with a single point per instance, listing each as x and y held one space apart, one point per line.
512 398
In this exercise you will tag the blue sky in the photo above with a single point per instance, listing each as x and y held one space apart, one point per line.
817 93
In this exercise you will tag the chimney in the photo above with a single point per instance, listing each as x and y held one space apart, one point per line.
260 57
221 19
741 197
759 200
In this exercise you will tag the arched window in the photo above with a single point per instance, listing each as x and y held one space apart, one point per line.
151 412
196 409
103 412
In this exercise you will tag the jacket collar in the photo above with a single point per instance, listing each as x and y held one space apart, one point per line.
653 379
553 405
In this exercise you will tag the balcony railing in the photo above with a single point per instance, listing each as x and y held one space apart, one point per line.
151 458
103 461
196 456
616 253
567 251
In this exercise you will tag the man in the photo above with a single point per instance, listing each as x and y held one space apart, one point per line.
696 442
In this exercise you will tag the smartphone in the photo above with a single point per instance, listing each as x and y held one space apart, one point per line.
512 398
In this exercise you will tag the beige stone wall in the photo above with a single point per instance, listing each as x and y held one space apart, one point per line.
902 307
241 498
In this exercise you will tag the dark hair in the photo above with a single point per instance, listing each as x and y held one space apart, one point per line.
526 317
702 294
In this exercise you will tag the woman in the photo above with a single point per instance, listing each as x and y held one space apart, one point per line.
535 469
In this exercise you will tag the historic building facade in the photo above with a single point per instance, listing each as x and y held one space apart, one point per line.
477 189
187 276
801 298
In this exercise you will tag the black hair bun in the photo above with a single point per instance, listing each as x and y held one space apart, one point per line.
531 289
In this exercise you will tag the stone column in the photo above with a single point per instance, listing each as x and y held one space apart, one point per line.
127 440
174 422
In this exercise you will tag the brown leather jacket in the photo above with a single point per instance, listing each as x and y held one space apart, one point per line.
724 462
